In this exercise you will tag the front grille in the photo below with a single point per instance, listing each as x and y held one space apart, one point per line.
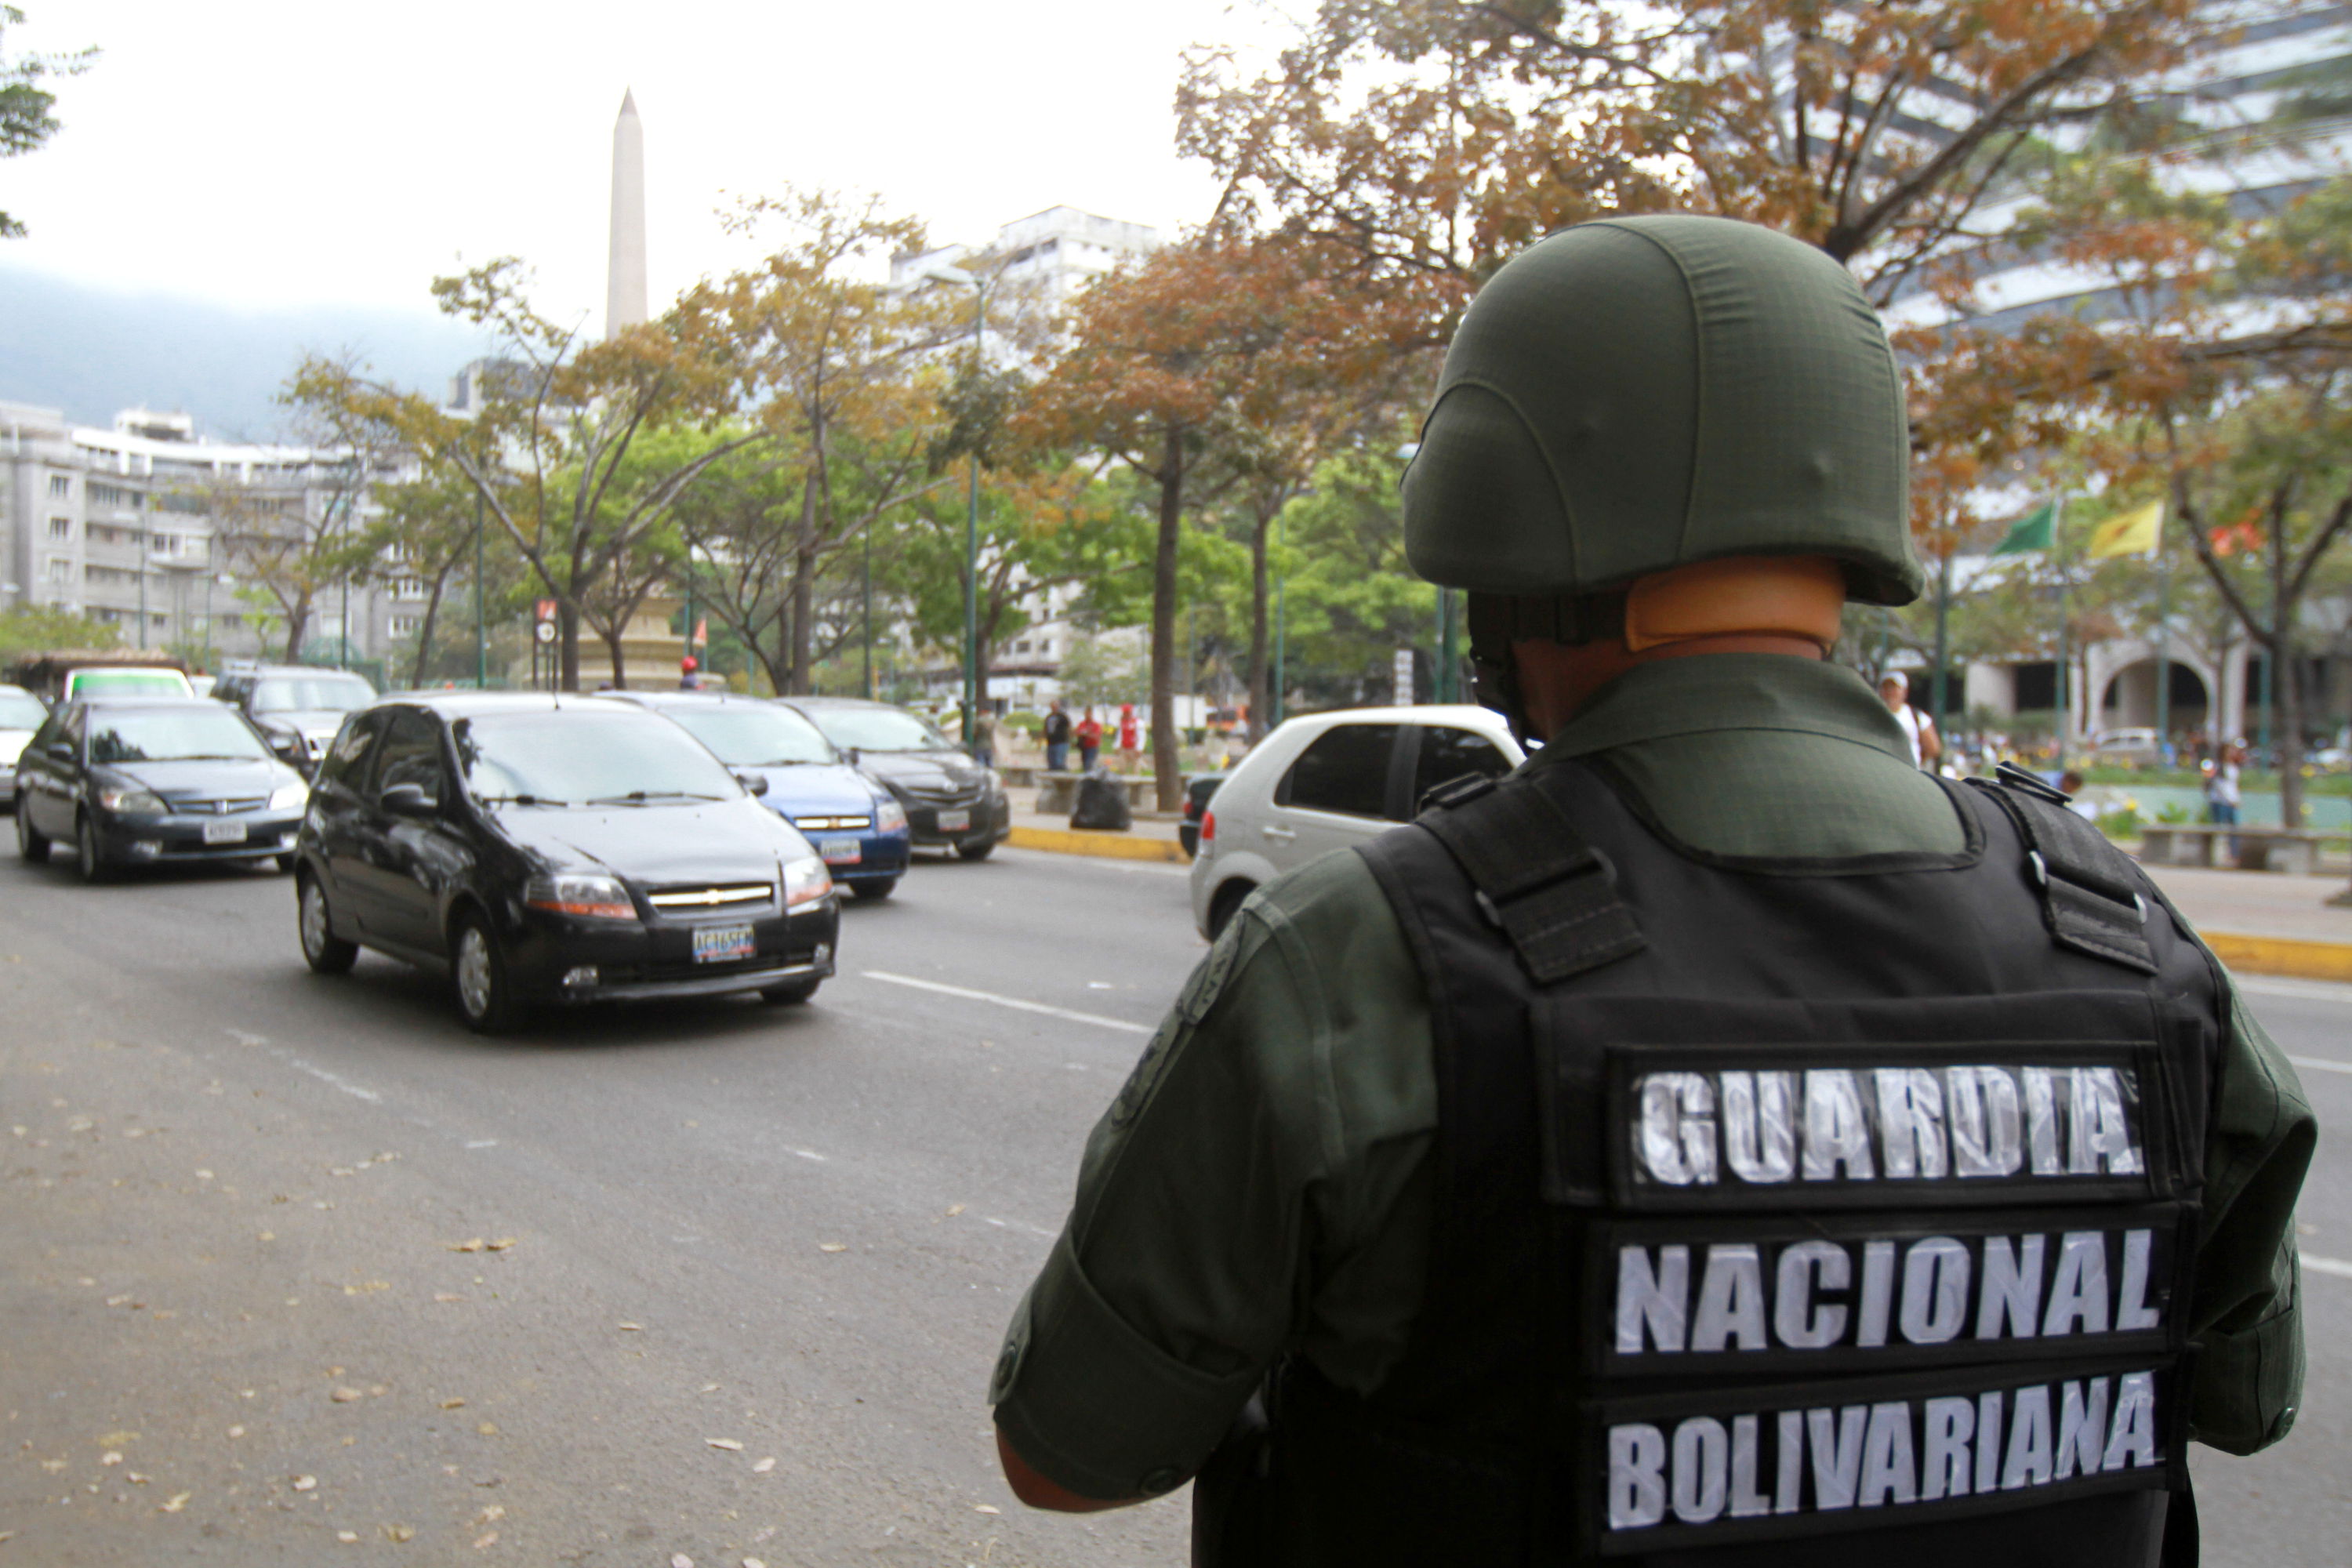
821 823
731 895
951 795
212 806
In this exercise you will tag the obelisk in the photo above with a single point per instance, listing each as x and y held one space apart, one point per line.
624 278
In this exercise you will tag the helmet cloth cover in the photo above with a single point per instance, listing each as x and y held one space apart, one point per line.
1635 395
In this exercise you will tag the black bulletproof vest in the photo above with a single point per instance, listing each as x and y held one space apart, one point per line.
1819 1212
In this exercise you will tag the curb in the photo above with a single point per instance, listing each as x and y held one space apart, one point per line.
2282 955
1107 846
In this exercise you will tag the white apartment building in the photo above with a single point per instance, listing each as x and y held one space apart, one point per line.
118 524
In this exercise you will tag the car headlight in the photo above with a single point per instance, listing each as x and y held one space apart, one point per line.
290 797
889 817
582 893
805 882
131 800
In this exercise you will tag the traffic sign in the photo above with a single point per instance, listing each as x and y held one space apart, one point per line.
546 612
544 631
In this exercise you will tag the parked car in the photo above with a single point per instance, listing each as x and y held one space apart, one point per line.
123 680
951 801
298 709
130 782
1198 791
1327 781
21 714
63 675
857 825
555 849
2136 747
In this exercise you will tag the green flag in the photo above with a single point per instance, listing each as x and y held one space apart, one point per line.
2029 532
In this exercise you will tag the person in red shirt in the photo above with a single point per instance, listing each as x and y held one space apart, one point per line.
1129 744
1089 736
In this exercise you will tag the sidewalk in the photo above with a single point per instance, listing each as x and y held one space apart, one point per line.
2260 922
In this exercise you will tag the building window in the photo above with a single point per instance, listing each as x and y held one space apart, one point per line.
409 588
60 484
60 528
407 625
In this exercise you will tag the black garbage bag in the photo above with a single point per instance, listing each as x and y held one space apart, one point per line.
1102 802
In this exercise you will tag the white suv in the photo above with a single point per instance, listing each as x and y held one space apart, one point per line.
1329 780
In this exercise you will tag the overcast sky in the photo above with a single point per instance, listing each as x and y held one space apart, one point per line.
260 152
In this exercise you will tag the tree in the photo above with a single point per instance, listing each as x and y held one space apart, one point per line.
35 628
1179 367
292 545
26 123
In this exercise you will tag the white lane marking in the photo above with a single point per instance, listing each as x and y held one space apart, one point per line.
809 1154
2322 1063
482 1143
1022 1225
1013 1002
346 1085
244 1038
2335 1266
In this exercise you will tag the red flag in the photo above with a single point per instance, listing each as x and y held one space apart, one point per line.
702 632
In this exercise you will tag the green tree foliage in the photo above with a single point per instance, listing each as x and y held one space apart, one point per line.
36 628
26 123
1349 600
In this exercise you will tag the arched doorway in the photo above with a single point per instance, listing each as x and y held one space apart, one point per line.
2129 701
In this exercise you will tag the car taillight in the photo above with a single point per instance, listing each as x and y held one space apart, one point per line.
1208 827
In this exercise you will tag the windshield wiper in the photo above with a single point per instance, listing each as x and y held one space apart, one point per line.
641 796
518 800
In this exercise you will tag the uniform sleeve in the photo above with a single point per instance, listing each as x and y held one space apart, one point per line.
1223 1181
2243 1314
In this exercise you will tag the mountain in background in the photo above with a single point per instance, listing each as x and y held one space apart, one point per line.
93 351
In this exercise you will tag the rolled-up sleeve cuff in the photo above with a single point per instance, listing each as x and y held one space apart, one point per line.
1095 1406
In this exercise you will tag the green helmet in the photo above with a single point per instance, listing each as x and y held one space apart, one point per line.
1639 393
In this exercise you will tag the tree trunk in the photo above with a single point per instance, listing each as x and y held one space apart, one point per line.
1260 675
804 594
298 626
425 632
613 647
567 641
1166 760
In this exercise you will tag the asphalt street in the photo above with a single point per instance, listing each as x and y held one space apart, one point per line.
291 1260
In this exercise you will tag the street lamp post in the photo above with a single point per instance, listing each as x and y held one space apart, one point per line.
979 286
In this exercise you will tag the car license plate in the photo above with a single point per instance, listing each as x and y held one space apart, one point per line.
954 821
224 832
720 944
839 852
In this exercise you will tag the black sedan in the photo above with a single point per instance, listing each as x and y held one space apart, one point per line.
952 802
555 849
153 782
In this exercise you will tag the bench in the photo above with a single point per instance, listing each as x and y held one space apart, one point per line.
2294 850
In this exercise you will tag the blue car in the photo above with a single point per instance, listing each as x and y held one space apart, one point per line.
856 824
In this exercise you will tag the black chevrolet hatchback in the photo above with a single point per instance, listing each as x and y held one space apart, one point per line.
554 849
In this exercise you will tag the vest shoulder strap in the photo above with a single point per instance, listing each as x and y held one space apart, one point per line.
1551 894
2089 888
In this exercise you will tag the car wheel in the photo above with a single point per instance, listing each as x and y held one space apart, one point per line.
322 950
478 977
799 991
974 851
877 891
89 859
1221 909
31 842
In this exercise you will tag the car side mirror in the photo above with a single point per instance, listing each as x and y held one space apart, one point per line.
756 782
289 747
408 800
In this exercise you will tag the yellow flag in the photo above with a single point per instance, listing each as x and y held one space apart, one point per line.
2133 532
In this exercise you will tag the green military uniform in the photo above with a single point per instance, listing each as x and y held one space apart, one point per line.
1264 1184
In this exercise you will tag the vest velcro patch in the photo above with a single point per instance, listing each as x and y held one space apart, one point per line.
1854 1293
1863 1127
1736 1465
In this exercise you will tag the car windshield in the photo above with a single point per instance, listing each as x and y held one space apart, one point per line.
312 694
159 682
571 757
746 736
879 730
164 737
21 711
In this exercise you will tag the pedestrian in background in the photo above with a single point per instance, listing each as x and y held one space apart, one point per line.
1129 744
1057 738
984 736
1090 735
1895 691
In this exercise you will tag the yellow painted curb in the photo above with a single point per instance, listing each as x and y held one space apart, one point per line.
2282 955
1111 846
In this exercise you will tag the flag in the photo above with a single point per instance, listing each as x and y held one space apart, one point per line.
2232 538
2029 532
2134 532
702 632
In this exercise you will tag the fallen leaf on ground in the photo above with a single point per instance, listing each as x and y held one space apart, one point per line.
452 1404
503 1243
116 1301
633 1327
487 1428
348 1537
203 1176
111 1456
954 1209
832 1246
305 1483
765 1466
135 1478
491 1515
53 1466
480 1541
236 1431
709 1388
753 1562
447 1296
400 1532
476 1244
270 1235
986 1507
680 1560
730 1444
346 1396
177 1501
